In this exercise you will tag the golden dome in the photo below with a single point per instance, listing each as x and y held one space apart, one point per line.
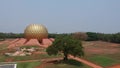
35 31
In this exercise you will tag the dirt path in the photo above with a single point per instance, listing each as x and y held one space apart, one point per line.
46 62
115 66
85 62
22 61
51 59
43 65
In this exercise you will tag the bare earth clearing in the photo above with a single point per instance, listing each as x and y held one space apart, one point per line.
91 48
99 47
112 50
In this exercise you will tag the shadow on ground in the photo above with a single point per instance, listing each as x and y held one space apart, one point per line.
69 62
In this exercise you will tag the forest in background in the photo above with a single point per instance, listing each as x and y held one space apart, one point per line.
86 36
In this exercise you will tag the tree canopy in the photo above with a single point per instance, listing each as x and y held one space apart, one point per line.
66 45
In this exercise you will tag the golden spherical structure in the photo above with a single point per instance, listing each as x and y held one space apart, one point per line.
36 31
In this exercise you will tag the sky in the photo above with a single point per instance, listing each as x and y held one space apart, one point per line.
61 16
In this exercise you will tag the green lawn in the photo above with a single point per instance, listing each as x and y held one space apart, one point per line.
65 66
27 64
22 58
69 64
3 58
103 60
3 46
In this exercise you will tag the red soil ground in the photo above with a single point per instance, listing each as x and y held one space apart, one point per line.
99 47
33 42
85 62
46 62
115 66
96 47
20 42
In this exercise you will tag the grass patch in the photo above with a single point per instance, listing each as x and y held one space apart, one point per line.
116 56
32 57
102 60
73 62
23 58
2 58
67 64
63 66
3 46
27 64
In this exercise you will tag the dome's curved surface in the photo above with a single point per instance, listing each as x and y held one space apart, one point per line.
36 31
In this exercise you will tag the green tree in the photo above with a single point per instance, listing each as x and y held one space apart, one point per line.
2 36
66 45
92 36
